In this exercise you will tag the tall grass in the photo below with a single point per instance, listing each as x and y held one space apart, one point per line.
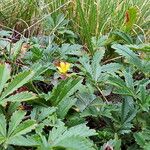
28 15
14 10
102 16
89 17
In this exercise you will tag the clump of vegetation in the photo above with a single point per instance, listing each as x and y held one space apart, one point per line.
74 75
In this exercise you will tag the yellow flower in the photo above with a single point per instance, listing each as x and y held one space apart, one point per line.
63 67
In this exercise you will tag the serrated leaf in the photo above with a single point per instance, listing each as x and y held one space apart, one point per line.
123 36
101 41
17 82
79 130
13 107
4 75
15 120
17 49
128 80
144 47
127 115
68 49
2 125
146 146
121 86
64 89
20 97
58 137
111 68
124 110
75 143
22 141
64 106
128 54
58 134
24 128
85 62
93 67
5 33
41 113
139 139
95 64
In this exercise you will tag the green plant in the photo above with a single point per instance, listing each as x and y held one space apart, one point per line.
62 99
13 14
7 87
132 58
96 71
57 26
58 95
14 135
51 52
142 139
44 116
96 18
123 121
88 18
62 137
136 89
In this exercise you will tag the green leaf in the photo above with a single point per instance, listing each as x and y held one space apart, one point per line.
65 89
13 107
5 33
15 129
124 110
139 139
123 36
41 113
17 49
67 49
98 43
76 137
79 130
20 97
85 62
17 82
22 141
75 143
111 68
4 76
128 54
120 85
24 128
127 115
64 106
88 102
95 64
128 80
147 146
93 67
2 139
2 126
15 120
144 47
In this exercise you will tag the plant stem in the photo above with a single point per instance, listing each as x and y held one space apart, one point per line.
102 94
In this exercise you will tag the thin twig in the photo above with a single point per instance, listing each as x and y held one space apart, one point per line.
105 62
102 94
